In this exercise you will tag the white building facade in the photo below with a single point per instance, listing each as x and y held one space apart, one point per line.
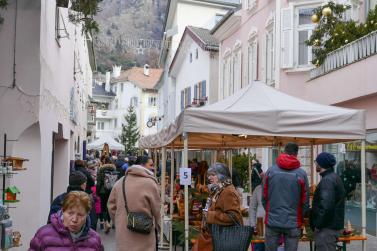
45 82
180 13
194 69
133 87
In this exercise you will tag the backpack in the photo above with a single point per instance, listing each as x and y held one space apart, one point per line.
110 178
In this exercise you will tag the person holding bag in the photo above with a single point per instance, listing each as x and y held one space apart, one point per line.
134 205
222 214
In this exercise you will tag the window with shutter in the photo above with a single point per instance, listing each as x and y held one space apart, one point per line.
203 90
304 27
196 92
189 95
270 73
252 59
182 100
287 37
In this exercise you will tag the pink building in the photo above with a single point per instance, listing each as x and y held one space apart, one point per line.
265 40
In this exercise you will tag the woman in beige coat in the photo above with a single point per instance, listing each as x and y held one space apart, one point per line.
143 196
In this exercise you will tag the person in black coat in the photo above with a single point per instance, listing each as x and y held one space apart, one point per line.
327 214
80 166
256 178
77 182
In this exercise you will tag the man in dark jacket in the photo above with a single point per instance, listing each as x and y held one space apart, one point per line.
285 199
119 165
80 165
77 182
327 214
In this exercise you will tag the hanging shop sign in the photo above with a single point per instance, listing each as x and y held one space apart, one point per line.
357 147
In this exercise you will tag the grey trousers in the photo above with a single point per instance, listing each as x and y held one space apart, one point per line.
325 239
291 238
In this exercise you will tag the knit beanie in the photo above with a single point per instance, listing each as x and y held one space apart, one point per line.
76 179
326 160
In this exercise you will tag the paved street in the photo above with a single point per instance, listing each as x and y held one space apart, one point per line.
109 243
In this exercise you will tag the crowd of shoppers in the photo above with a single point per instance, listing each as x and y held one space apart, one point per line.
117 191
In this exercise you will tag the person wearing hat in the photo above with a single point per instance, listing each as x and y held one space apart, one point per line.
327 213
77 182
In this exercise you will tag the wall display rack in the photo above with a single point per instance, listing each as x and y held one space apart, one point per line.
9 166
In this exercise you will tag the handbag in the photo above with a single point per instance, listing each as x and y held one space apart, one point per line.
231 238
136 221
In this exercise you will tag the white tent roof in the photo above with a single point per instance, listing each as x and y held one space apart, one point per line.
98 144
267 116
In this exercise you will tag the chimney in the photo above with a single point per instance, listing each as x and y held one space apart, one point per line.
116 71
107 85
146 70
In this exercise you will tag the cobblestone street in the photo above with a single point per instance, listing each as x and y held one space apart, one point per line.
109 243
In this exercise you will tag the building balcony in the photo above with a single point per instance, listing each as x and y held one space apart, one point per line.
353 52
347 73
106 114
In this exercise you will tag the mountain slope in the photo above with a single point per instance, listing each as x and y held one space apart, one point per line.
131 32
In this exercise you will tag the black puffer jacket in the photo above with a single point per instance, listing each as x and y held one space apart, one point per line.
328 202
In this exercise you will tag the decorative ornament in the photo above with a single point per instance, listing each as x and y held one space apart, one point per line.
343 32
326 11
365 25
316 42
346 41
332 40
344 7
317 63
333 21
315 18
371 21
335 34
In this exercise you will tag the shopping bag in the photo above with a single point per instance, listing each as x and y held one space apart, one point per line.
6 234
231 238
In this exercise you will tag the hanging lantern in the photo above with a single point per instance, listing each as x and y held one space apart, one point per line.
326 11
315 18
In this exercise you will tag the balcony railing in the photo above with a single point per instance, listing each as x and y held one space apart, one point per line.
355 51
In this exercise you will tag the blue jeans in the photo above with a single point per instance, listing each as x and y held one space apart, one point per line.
291 238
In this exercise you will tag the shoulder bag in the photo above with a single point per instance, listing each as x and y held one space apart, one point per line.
231 238
136 221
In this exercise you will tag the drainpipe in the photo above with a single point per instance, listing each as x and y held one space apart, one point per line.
277 43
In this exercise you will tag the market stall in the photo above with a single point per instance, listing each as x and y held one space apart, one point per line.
99 143
259 116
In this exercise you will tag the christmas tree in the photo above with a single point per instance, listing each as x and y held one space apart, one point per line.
333 31
130 132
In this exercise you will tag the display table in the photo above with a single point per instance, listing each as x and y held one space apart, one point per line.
344 239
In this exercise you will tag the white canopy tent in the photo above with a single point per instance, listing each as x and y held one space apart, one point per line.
267 116
98 144
260 116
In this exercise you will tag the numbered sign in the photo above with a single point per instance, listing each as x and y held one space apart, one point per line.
185 176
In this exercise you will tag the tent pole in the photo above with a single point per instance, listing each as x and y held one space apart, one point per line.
155 162
249 161
363 198
185 161
312 171
162 212
171 198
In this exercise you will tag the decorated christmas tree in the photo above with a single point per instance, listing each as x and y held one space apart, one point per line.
334 31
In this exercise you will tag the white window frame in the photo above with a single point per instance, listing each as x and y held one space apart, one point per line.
297 28
269 72
236 83
226 73
252 56
152 101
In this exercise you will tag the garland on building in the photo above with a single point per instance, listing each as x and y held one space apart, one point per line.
83 11
3 5
333 32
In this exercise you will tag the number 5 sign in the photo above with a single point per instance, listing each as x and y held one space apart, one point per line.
185 176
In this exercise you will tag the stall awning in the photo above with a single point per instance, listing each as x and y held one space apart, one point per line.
257 116
98 144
